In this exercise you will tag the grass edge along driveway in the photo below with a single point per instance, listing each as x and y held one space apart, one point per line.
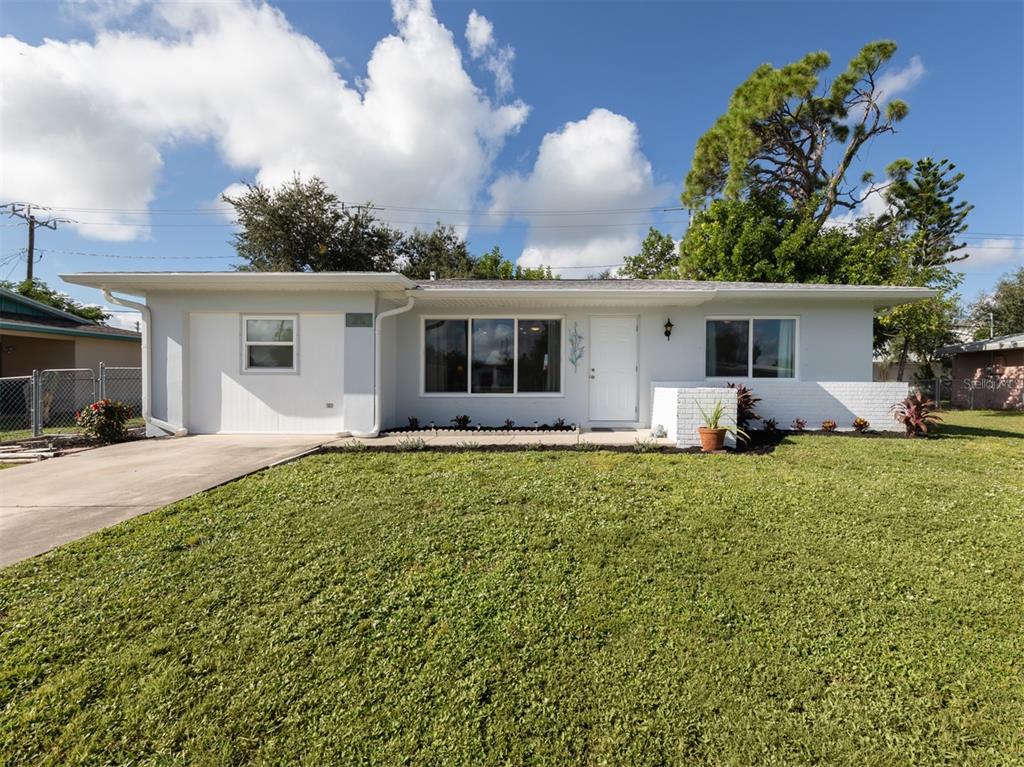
839 601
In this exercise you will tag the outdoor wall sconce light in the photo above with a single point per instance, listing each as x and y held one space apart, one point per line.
668 329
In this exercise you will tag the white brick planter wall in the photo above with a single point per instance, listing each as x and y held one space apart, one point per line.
688 418
814 401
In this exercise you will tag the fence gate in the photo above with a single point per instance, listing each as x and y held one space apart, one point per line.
47 400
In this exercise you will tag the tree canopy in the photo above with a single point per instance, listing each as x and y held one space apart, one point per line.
657 258
302 226
39 291
1006 305
779 135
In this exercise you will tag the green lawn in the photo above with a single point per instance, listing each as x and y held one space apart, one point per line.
17 435
838 601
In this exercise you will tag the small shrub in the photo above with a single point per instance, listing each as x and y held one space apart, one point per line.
828 426
771 425
353 447
414 423
586 447
461 421
106 420
410 444
559 423
916 414
468 444
798 425
509 423
861 424
645 445
745 404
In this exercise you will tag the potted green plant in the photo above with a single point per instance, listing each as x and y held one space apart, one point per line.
712 433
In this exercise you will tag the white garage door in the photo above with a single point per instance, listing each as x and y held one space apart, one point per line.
224 398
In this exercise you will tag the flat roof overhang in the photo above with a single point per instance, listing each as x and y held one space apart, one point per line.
573 293
139 283
881 297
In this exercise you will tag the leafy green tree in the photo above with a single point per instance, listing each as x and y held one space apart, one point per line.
924 210
39 291
301 226
779 135
492 265
922 198
657 258
441 251
1005 304
760 239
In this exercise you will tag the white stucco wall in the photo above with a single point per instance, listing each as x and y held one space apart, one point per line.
335 363
834 344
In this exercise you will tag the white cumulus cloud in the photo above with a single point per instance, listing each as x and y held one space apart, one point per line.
496 59
594 164
86 123
992 252
479 34
896 81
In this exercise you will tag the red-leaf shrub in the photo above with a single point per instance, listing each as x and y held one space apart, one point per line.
916 414
106 420
798 425
745 403
828 425
861 424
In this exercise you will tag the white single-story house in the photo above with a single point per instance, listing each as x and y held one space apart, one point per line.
357 353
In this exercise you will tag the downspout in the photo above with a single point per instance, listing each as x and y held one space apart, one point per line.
147 360
377 368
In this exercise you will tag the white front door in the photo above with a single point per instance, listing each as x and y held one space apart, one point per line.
613 368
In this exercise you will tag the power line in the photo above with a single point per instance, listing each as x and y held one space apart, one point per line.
138 258
468 224
402 208
24 212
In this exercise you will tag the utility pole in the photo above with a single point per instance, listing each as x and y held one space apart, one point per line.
23 210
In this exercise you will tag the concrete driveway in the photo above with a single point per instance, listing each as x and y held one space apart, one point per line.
47 504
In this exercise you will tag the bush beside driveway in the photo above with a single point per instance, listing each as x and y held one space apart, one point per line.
838 601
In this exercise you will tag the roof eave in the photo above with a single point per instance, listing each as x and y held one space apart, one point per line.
139 283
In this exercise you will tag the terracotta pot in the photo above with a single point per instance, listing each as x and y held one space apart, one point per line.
711 439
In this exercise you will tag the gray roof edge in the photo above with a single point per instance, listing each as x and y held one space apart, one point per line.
1008 341
51 310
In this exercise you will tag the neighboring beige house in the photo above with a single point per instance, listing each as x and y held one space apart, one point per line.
35 336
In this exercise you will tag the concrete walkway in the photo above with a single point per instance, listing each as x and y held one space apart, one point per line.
44 505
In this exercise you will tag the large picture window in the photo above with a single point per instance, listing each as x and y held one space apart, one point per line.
268 343
444 344
751 348
540 356
492 355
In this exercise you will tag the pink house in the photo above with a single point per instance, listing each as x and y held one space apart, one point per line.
988 373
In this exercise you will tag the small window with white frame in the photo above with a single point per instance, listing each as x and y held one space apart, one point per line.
750 347
269 343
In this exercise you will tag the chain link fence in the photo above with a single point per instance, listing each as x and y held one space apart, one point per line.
46 401
122 385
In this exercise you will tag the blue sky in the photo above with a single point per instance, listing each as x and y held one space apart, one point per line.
660 73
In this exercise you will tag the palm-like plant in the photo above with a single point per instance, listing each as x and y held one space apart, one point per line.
713 420
916 414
